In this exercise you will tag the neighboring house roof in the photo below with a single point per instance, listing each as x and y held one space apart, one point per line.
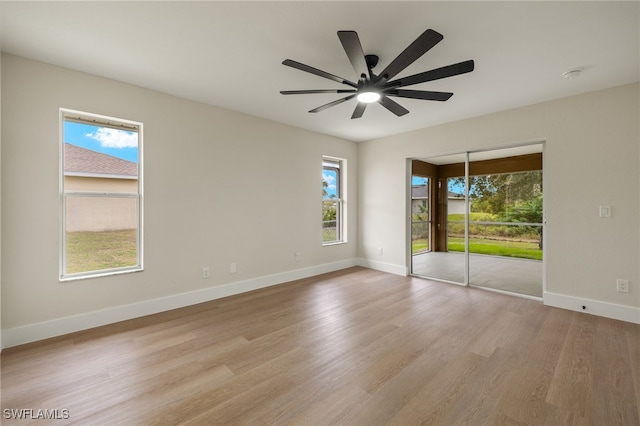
84 162
422 191
419 191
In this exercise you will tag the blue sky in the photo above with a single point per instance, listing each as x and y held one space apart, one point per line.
329 176
117 143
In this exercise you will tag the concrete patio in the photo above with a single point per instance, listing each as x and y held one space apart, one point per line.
514 275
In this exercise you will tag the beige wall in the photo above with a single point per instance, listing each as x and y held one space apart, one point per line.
83 183
99 213
220 188
0 204
591 158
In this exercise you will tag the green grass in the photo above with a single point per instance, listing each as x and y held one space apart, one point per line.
525 250
486 217
95 251
328 234
419 245
495 240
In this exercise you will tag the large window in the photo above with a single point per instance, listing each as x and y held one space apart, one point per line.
333 200
100 195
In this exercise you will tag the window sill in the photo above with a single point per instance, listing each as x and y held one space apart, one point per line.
333 243
85 276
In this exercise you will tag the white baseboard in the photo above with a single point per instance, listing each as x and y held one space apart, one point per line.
47 329
594 307
384 267
58 327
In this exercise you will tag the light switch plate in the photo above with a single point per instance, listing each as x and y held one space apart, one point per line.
605 211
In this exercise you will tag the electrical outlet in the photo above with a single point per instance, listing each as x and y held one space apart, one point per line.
233 268
206 272
622 286
605 211
296 256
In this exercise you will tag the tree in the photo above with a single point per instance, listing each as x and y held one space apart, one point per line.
525 211
496 193
328 208
529 211
510 197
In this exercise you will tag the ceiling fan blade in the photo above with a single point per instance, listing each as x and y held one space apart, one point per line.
302 67
420 94
436 74
352 47
393 106
334 103
306 92
357 113
419 47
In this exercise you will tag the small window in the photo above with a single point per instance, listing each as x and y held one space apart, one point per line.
100 195
333 200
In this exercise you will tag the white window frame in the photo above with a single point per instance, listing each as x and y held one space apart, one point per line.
111 122
341 200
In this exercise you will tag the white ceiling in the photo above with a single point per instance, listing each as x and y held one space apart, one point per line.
229 54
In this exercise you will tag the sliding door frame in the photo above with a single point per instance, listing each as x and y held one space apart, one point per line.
468 168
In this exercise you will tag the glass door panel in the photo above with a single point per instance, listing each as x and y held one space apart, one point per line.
438 219
505 225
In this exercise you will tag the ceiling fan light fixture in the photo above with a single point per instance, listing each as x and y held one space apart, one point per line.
368 97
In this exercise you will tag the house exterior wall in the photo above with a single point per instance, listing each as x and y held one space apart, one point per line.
98 214
455 205
82 183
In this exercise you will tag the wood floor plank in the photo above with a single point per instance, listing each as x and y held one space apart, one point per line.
208 396
479 400
351 347
526 399
614 397
432 403
633 343
571 387
394 393
495 334
343 400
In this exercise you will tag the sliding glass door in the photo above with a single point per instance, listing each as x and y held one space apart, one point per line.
485 220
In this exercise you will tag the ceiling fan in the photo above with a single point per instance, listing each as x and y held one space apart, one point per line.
378 88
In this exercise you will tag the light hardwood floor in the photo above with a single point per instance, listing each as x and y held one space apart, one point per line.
353 347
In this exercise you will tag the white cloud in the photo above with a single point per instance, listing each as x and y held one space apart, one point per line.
331 181
113 138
